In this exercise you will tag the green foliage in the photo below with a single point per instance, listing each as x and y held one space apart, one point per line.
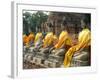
33 20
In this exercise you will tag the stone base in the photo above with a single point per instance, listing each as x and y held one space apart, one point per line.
80 59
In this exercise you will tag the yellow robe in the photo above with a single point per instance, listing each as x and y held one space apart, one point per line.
48 39
64 39
30 38
38 36
24 39
84 40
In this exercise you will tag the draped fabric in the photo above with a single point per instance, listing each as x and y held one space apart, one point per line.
83 41
64 39
25 39
38 36
48 39
28 39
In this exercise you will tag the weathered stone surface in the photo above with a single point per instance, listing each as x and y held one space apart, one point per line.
80 59
52 64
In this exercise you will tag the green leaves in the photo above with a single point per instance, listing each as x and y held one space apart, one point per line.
33 20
